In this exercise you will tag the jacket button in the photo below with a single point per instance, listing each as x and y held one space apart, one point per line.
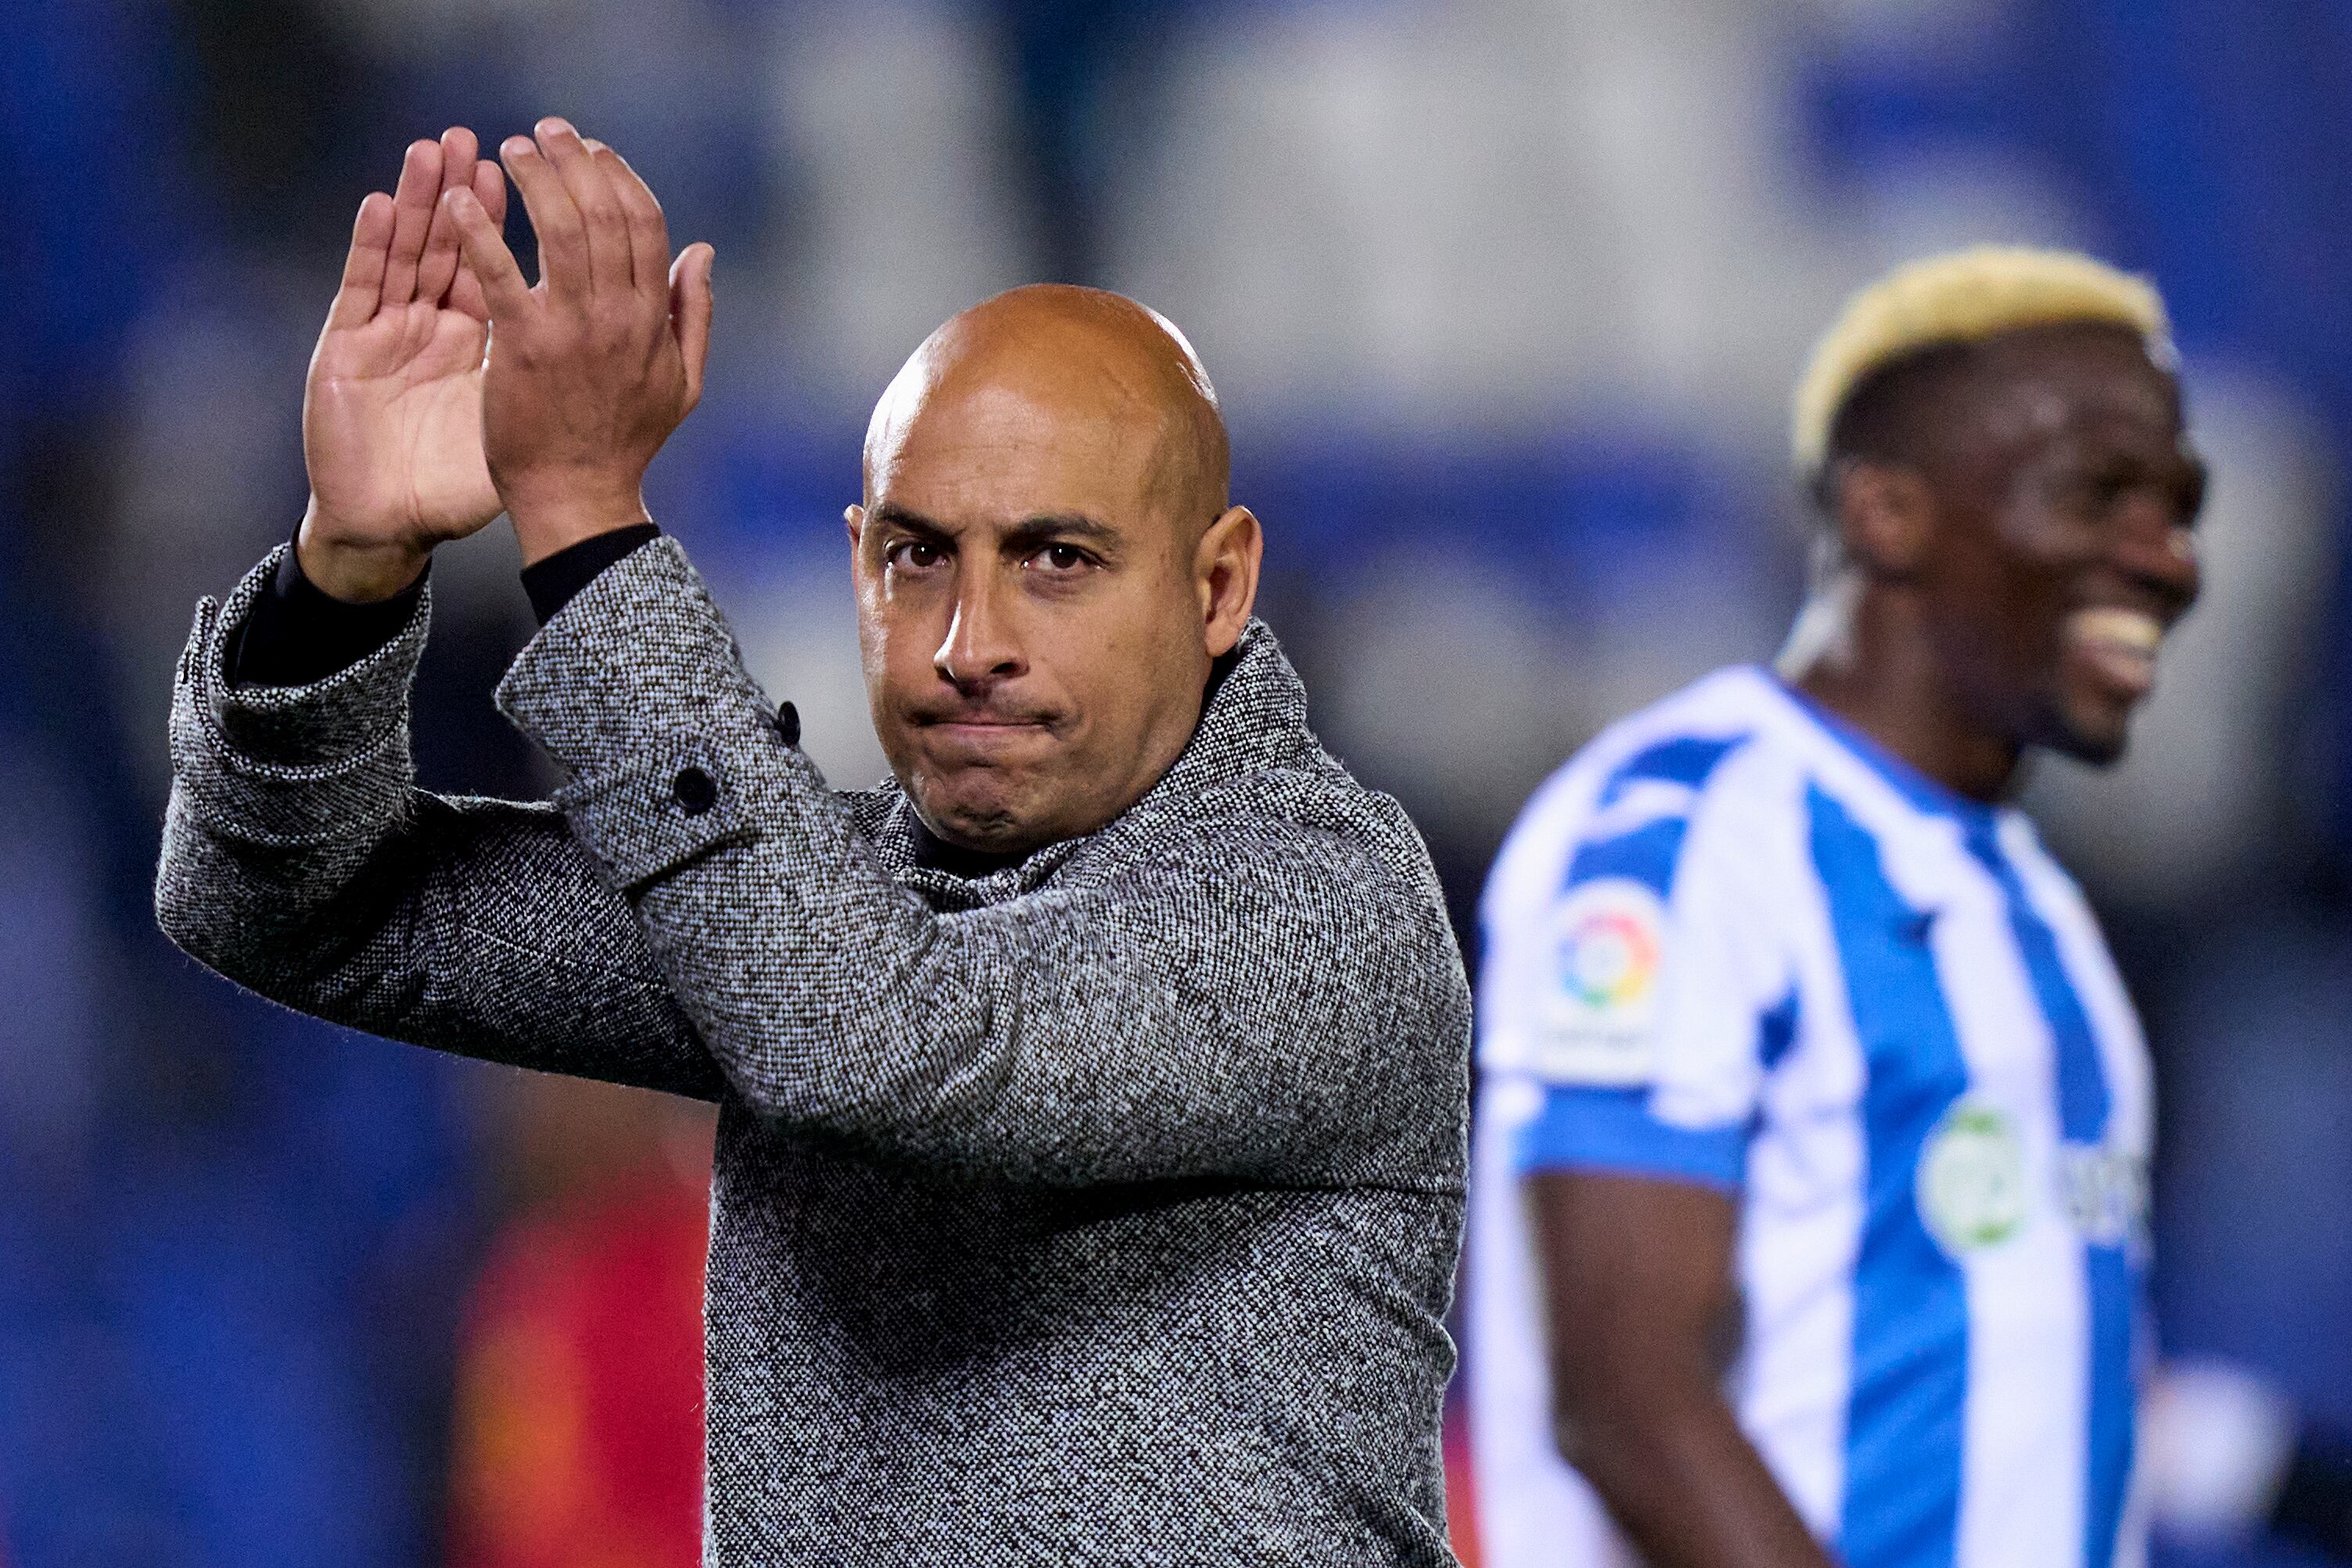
788 723
697 790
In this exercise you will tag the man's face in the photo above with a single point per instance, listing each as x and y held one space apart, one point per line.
1030 613
2063 551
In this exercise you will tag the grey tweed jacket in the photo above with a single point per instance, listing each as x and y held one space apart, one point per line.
1102 1209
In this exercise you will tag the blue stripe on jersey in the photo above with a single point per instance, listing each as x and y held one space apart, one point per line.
2082 1077
1685 760
1776 1031
2114 1291
1613 1130
2082 1104
1910 1307
1648 854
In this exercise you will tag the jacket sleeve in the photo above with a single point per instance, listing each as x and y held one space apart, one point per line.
1246 1004
300 859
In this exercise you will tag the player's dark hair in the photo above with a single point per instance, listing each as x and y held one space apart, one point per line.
1890 416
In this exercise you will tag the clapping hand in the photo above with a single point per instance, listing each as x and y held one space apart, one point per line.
591 368
392 415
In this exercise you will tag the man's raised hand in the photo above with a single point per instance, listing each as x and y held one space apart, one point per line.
591 368
392 416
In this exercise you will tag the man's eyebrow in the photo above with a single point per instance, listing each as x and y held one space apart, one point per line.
1047 527
889 514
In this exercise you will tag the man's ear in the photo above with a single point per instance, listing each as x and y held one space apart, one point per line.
1885 517
853 518
1224 573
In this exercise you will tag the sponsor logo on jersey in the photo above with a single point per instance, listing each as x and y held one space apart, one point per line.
1971 1178
2103 1192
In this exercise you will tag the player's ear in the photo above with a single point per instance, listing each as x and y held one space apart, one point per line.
1885 516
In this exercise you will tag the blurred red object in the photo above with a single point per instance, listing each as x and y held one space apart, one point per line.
1461 1497
580 1396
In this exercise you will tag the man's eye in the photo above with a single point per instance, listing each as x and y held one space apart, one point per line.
1061 557
2189 499
2096 492
914 553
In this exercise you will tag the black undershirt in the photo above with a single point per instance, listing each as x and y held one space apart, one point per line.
936 854
297 633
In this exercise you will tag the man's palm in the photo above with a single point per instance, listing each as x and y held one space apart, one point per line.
392 424
392 416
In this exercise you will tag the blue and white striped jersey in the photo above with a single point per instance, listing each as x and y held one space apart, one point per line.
1735 943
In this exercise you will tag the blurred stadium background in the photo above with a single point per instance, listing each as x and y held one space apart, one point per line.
1505 298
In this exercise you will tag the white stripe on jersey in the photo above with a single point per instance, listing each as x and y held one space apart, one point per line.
1731 943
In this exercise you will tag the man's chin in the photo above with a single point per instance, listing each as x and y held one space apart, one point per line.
2096 740
983 822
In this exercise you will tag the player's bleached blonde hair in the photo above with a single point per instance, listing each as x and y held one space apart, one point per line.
1960 297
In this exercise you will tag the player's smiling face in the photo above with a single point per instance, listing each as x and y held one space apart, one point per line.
2068 553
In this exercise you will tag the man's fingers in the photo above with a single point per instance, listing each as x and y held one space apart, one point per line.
505 295
362 286
562 243
648 230
439 267
491 190
599 205
466 294
412 202
689 312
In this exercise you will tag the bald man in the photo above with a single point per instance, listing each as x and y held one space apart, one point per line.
1092 1092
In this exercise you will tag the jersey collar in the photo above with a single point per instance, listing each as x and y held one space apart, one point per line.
1925 793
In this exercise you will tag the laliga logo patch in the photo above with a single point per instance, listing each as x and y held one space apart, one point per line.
1611 958
1972 1179
1608 950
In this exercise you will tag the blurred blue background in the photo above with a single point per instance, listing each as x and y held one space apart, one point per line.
1505 298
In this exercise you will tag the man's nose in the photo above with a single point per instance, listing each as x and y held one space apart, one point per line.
980 646
2160 548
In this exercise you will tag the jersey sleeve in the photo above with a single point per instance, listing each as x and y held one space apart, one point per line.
1635 980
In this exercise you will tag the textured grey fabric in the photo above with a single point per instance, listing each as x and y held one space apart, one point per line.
1102 1209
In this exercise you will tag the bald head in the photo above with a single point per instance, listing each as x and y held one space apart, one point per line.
1099 368
1047 564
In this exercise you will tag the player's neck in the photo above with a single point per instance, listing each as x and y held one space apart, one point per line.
1866 662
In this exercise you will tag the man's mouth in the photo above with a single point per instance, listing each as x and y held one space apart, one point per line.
982 721
981 735
2119 645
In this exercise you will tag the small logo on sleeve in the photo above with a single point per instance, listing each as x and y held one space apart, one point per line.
1609 950
1972 1179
